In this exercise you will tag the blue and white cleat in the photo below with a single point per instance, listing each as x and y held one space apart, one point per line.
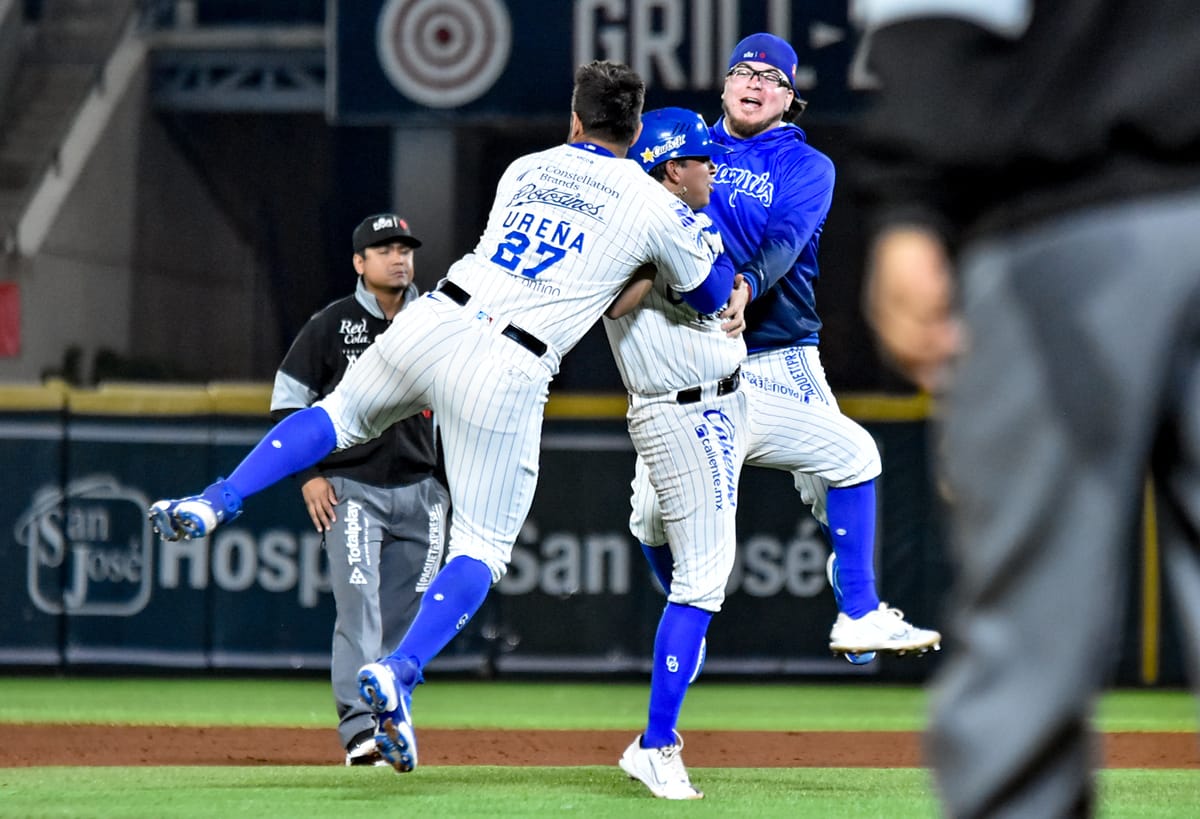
831 573
883 629
381 687
195 516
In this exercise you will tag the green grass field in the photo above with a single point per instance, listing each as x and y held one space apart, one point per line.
536 791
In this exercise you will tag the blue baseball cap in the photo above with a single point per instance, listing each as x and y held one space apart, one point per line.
673 133
769 49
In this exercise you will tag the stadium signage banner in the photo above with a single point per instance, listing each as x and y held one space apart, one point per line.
418 61
90 584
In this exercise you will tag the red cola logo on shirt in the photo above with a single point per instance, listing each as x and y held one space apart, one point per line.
354 332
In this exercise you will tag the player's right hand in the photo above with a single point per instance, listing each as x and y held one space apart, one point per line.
320 499
734 313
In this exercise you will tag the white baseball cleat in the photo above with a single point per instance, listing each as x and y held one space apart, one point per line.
883 629
364 753
831 574
660 769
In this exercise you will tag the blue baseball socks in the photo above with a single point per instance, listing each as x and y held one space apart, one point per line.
298 441
677 649
662 562
851 513
450 601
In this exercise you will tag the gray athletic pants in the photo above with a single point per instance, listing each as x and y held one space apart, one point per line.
384 549
1084 366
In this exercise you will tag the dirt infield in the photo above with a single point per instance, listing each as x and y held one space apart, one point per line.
36 745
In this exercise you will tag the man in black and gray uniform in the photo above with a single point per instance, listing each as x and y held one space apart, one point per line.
381 506
1048 153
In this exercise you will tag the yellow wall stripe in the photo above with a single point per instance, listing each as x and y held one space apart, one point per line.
254 399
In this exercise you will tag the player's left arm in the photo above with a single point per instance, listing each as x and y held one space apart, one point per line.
801 203
714 291
631 295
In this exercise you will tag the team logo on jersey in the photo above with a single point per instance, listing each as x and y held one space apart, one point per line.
89 548
443 53
742 182
531 194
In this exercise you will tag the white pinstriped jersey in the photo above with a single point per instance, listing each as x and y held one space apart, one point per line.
663 345
567 228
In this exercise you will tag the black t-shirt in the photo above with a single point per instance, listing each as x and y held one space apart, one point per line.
326 346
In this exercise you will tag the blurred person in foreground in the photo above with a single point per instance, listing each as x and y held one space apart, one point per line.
1033 177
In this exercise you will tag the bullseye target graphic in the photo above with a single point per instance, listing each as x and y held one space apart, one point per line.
443 53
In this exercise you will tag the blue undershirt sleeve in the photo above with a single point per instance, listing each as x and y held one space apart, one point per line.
714 291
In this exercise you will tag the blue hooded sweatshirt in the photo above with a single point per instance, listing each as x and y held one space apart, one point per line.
770 199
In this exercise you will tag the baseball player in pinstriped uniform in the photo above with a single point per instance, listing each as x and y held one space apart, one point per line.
687 420
380 506
568 227
772 194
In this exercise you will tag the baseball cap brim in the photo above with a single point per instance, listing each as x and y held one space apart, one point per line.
398 236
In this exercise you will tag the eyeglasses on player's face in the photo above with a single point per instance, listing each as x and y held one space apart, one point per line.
769 76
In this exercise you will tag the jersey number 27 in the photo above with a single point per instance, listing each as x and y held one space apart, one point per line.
511 254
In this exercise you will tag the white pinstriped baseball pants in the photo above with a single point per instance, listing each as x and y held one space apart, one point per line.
690 459
489 395
794 425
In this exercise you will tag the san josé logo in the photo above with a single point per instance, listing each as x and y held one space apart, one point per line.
88 547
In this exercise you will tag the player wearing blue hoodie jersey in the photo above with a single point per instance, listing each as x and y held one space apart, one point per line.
771 195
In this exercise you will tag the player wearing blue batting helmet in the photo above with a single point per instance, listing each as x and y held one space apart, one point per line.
675 148
673 133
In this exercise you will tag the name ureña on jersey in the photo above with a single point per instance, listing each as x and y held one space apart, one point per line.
562 234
